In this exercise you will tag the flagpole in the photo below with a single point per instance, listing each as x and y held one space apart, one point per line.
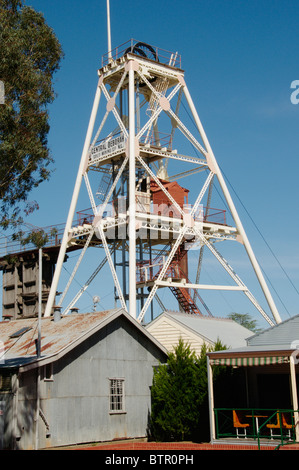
109 31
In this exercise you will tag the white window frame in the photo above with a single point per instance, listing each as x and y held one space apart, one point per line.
117 395
49 377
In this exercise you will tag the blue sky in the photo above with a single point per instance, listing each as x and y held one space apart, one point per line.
240 58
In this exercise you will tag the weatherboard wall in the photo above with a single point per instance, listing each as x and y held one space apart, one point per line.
169 333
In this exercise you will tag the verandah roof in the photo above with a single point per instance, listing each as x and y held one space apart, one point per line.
249 361
245 357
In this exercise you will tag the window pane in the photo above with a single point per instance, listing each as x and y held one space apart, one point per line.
116 395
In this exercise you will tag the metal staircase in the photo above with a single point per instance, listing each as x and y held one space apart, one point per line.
185 296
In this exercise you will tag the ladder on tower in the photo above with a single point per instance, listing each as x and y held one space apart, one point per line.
104 186
161 86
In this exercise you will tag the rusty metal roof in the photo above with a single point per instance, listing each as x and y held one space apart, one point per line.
18 338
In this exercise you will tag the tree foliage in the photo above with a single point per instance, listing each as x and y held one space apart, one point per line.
245 320
179 395
37 237
30 54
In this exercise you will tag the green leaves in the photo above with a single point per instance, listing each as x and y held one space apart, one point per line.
30 54
245 320
179 394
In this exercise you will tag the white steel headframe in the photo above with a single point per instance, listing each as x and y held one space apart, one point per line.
129 71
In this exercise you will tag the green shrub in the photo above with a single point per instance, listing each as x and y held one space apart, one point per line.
179 396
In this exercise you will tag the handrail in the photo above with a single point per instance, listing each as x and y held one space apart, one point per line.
53 233
265 423
280 414
161 55
225 429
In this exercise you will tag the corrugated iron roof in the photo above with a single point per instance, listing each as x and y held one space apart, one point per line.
229 332
55 335
282 334
272 346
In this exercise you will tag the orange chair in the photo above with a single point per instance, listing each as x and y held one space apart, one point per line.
286 425
274 426
238 425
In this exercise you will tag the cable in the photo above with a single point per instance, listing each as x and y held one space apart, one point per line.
79 284
270 249
276 293
265 241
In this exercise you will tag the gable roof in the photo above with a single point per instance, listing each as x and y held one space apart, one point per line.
19 337
282 334
168 185
210 329
274 345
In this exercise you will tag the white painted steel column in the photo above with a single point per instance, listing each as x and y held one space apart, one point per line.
109 31
73 204
215 168
294 395
132 202
40 291
211 400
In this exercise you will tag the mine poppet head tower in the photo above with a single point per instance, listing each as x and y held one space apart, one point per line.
145 221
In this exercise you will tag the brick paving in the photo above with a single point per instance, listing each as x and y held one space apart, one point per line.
174 446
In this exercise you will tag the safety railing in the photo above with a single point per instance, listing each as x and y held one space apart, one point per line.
276 425
215 216
208 215
52 235
157 139
15 244
144 50
149 270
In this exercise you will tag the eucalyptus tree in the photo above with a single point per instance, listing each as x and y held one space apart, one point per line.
30 54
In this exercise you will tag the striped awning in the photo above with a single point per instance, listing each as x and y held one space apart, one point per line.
239 361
